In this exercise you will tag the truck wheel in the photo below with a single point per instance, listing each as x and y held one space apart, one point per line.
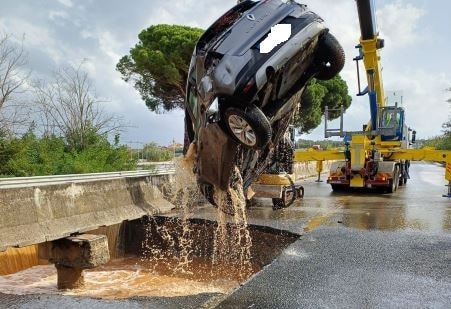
402 181
337 188
248 126
393 183
331 57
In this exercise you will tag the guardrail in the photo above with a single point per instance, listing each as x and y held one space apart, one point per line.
19 182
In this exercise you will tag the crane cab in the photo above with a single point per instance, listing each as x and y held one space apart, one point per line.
392 123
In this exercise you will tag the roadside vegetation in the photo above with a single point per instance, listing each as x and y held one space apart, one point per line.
323 144
442 142
30 155
57 126
154 153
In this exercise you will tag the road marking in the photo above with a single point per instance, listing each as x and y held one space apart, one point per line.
318 220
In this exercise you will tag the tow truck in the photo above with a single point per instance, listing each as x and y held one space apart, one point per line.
380 154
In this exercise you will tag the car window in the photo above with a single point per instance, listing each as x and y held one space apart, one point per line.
192 101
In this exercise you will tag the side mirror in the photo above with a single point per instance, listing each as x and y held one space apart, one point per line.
414 136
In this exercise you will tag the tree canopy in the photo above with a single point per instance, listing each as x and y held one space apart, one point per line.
68 106
14 113
317 95
158 66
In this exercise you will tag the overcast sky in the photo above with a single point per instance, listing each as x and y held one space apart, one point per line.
98 32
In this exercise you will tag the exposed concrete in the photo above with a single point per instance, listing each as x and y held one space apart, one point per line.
73 254
34 215
81 251
38 214
308 169
69 277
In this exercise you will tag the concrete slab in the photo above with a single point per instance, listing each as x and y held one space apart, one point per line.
34 215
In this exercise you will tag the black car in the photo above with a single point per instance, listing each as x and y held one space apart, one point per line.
241 99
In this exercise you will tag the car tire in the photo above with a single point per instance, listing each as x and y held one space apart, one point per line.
331 57
248 126
338 188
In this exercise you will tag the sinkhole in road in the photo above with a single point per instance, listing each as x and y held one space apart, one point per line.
162 256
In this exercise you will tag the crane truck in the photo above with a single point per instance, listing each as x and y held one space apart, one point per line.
380 154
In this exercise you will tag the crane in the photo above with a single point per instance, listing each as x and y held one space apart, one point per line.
380 154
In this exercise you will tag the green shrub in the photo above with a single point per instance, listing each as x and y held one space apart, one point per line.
50 155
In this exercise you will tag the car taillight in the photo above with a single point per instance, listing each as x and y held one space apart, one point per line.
249 85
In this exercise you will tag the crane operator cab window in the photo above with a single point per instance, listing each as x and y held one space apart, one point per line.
393 119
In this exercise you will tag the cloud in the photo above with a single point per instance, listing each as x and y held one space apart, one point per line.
398 23
67 3
55 15
192 13
424 99
64 32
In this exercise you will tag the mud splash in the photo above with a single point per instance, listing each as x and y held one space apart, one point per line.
231 241
159 274
233 245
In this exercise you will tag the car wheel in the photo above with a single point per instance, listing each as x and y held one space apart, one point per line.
331 57
248 126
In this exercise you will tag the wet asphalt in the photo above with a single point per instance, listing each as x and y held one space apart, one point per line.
358 249
342 268
355 250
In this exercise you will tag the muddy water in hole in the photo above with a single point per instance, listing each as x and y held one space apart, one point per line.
231 245
175 269
160 275
121 278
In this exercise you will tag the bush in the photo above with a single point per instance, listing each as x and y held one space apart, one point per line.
440 142
153 152
50 155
